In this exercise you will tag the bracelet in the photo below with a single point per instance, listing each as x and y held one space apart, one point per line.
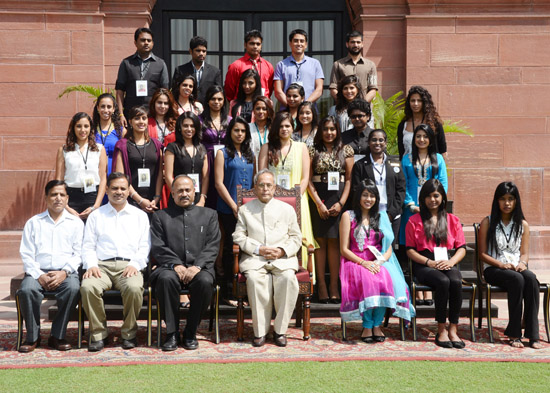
139 203
427 260
156 196
205 196
121 114
133 193
525 263
93 208
340 203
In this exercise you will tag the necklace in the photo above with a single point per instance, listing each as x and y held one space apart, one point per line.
421 173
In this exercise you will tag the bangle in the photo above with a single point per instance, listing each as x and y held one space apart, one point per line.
525 263
340 203
156 196
93 208
121 114
139 203
133 193
205 196
427 260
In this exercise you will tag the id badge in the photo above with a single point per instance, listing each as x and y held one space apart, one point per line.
441 254
141 88
333 179
195 178
144 177
377 254
284 181
88 181
216 148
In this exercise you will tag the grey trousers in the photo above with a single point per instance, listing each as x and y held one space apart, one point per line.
31 295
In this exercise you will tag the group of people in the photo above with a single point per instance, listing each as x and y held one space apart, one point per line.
154 172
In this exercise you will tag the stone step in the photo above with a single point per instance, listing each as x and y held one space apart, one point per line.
9 244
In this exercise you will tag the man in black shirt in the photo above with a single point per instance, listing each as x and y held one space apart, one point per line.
359 113
140 75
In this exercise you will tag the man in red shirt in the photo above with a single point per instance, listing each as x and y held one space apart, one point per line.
252 59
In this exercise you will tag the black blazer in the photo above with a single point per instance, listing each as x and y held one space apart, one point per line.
395 181
210 76
189 237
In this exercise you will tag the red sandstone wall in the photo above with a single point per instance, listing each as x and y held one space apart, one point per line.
486 63
47 46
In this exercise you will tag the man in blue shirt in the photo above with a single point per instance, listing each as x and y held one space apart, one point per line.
298 68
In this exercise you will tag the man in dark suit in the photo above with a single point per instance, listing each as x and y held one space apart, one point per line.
206 74
185 241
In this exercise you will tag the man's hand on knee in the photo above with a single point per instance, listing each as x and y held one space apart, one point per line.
129 271
191 272
92 272
45 281
57 277
180 271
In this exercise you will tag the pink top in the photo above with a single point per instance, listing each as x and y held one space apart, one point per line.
416 238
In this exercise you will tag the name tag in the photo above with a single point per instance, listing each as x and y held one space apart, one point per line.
377 254
284 181
141 88
441 254
144 177
333 181
88 181
195 178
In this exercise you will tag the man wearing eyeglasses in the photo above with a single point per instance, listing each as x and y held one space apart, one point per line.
357 137
268 234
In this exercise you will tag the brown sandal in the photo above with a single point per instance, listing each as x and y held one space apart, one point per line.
515 343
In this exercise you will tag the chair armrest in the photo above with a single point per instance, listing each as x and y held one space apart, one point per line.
310 250
236 251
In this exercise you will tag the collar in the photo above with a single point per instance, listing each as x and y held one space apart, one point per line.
383 161
293 60
348 59
200 68
151 57
125 209
247 58
65 215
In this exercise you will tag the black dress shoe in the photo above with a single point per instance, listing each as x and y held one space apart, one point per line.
379 339
29 346
96 346
458 344
129 343
368 339
429 302
190 343
59 344
335 300
324 300
171 342
280 339
258 341
420 302
442 344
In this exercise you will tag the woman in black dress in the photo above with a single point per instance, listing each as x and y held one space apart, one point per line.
329 187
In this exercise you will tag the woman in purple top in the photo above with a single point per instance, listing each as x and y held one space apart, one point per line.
214 124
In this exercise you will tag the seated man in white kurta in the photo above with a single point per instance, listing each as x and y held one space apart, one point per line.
267 232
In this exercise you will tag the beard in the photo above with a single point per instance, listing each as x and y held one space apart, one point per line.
354 51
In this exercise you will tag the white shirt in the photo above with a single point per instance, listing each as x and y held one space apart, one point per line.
407 140
380 180
110 234
49 245
76 163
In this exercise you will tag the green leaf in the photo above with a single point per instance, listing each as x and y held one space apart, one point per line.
94 92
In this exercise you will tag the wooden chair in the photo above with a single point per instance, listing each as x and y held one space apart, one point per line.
50 296
466 287
305 282
489 289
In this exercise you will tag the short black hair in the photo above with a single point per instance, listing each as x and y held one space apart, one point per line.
142 30
117 175
353 34
198 41
253 34
297 31
361 105
54 183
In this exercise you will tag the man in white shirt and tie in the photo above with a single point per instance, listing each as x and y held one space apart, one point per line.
115 249
50 250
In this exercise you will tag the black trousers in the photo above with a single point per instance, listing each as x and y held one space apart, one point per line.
167 290
447 285
522 288
228 222
79 200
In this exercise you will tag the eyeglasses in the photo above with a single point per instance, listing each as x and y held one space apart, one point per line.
353 117
267 186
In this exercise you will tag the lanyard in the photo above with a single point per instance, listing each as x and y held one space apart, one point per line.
218 133
380 173
286 155
259 136
507 237
192 158
163 130
141 155
102 136
298 66
85 160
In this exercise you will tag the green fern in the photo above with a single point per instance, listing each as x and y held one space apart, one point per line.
455 126
387 116
94 92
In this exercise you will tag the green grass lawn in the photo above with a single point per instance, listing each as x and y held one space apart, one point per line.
353 376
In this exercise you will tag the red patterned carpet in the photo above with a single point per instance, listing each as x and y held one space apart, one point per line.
325 345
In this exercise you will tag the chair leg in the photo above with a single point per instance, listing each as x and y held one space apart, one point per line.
479 308
159 324
307 315
80 323
19 322
387 317
240 318
149 319
545 308
344 333
489 322
299 311
402 328
413 320
216 315
472 313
